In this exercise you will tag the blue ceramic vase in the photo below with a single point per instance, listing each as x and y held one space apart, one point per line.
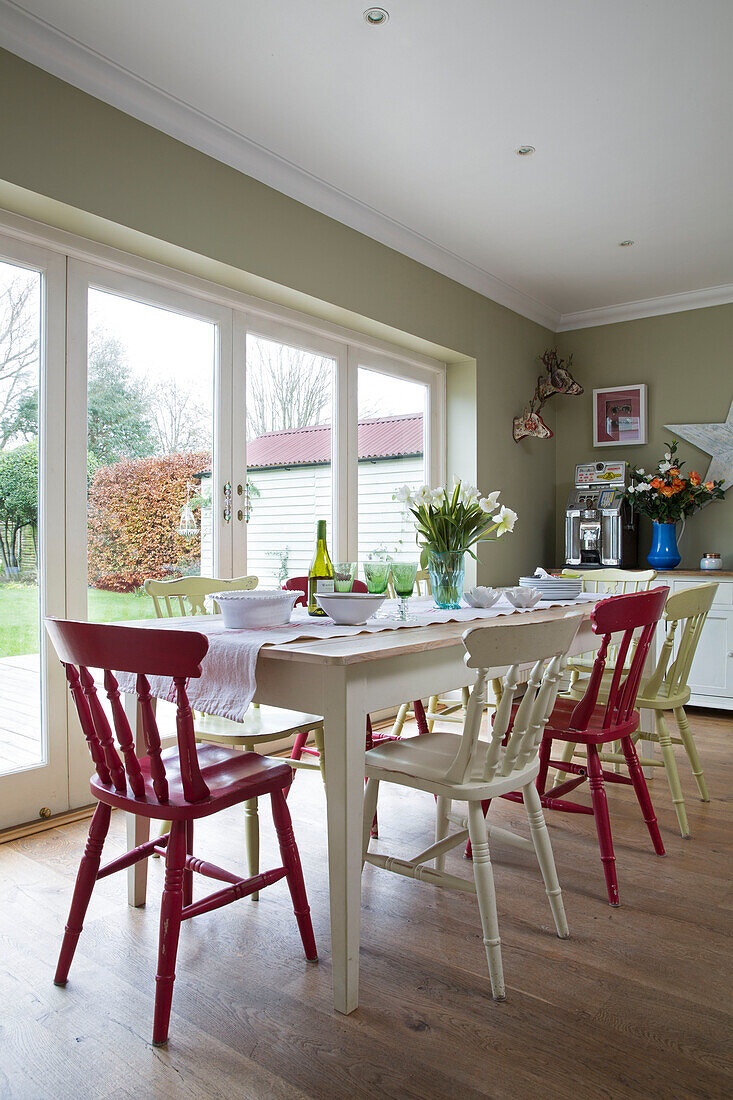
664 553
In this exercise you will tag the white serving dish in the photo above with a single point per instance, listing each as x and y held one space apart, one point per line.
523 596
259 607
349 608
482 597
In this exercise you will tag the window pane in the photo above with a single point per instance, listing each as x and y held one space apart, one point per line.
289 415
150 437
22 741
392 413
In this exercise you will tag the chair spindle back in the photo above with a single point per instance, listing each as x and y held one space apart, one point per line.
637 612
300 584
688 609
141 652
544 646
186 595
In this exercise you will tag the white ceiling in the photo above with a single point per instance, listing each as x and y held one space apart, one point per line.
408 131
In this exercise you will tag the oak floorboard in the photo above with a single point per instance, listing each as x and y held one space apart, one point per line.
635 1004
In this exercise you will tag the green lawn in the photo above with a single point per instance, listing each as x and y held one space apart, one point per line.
19 614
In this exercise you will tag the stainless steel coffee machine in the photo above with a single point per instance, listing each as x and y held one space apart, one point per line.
600 527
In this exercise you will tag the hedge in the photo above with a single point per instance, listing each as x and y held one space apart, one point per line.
133 516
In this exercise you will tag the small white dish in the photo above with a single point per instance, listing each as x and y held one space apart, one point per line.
350 608
481 596
260 607
523 597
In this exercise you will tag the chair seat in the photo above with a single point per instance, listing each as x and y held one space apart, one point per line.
559 723
423 761
260 724
231 776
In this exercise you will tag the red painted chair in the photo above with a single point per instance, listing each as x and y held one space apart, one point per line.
178 785
633 619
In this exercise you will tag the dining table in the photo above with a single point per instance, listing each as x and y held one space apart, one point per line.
344 679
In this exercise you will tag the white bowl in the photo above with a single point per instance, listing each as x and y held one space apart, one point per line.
482 597
256 608
522 597
349 608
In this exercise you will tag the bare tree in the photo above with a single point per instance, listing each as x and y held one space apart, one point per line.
178 421
18 353
286 388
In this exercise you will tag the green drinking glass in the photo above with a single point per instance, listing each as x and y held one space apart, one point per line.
343 575
376 574
403 578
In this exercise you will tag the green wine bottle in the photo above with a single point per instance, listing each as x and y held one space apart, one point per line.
320 574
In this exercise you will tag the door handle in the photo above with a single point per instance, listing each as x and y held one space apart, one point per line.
227 513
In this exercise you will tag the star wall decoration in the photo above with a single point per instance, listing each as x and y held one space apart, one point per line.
716 440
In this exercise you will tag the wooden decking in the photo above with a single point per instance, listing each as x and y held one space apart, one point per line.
21 744
635 1005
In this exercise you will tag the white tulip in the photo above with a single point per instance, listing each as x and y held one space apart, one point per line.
437 497
487 504
403 494
505 519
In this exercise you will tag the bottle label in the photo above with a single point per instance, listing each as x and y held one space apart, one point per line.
324 586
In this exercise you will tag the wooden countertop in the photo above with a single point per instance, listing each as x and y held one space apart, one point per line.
708 574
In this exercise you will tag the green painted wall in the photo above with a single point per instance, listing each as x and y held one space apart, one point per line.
686 360
60 143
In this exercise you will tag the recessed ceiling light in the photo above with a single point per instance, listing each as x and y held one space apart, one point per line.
524 150
375 17
625 244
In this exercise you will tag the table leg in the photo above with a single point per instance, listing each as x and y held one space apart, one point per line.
344 725
138 828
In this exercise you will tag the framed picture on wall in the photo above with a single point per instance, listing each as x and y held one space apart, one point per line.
619 416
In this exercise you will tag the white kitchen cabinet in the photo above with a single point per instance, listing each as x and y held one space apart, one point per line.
711 675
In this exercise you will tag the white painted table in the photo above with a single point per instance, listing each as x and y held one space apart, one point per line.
344 679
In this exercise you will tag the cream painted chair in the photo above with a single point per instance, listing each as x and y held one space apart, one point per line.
262 726
607 582
666 691
460 767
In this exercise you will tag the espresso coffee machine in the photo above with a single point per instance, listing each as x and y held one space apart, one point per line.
600 527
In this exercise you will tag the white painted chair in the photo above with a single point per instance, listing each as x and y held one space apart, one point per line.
460 767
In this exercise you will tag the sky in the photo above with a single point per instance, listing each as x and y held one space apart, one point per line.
161 342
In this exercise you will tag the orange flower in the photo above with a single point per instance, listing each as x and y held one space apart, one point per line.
678 485
657 483
710 485
674 471
667 491
695 478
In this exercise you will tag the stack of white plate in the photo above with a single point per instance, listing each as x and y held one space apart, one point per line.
554 588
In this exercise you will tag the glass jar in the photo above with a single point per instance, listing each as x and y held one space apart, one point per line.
711 562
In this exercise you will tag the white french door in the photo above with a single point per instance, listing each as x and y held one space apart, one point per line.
152 423
150 426
333 430
33 710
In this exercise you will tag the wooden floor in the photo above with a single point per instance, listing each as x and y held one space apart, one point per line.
636 1004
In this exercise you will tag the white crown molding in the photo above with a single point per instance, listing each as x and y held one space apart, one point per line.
43 45
647 307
